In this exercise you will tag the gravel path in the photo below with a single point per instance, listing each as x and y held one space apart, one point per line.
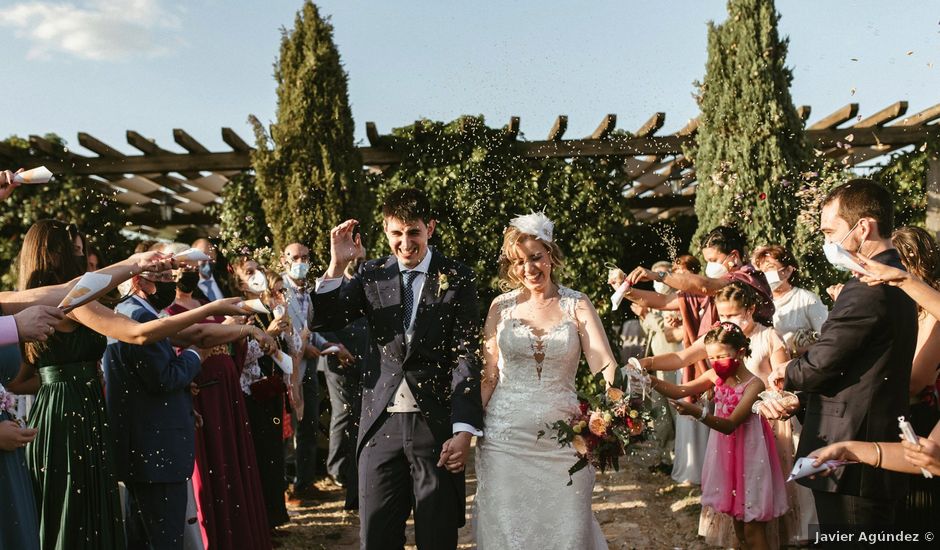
636 509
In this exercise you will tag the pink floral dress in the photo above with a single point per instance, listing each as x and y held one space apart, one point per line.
741 475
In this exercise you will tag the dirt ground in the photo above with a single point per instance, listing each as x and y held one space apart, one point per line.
636 509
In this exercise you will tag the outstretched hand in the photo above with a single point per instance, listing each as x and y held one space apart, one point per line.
640 275
345 246
879 272
7 183
923 454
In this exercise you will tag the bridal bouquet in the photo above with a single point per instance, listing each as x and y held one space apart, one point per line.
605 426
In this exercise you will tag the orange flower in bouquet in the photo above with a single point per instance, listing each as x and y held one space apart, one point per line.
605 426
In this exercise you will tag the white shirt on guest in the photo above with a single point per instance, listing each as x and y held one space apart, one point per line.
798 309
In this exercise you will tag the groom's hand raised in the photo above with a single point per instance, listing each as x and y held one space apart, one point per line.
345 246
454 452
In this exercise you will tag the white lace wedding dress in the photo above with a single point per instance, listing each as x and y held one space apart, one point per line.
523 499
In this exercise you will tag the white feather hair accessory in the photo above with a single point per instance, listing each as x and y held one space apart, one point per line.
536 224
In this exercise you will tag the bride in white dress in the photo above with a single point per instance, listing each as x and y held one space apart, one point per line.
533 339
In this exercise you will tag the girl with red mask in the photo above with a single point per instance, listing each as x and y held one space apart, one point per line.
741 476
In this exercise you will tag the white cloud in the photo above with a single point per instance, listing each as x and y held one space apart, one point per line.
94 29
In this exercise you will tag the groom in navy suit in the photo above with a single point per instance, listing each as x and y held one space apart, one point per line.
421 399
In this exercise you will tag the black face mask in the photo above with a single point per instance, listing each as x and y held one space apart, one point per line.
188 282
82 262
164 296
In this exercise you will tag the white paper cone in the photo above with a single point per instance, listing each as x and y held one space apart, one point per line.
33 176
284 361
191 255
254 305
90 284
617 298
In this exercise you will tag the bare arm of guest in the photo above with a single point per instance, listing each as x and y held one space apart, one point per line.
106 321
16 301
676 360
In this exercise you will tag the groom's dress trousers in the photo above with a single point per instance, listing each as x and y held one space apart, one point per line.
422 390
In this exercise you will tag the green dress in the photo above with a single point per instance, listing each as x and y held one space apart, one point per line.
71 459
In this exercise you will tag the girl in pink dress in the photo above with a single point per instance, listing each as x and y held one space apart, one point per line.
741 475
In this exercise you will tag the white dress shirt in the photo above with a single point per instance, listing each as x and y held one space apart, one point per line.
404 400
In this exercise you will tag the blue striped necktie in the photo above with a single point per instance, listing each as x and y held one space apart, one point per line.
408 297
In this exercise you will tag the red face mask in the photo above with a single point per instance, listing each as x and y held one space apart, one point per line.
725 367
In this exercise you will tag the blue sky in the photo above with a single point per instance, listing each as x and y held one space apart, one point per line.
106 66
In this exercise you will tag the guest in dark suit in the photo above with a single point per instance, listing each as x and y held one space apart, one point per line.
853 382
151 412
213 273
421 397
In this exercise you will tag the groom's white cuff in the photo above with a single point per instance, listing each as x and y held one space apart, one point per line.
325 285
464 427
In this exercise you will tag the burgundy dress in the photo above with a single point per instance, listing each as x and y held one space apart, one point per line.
226 479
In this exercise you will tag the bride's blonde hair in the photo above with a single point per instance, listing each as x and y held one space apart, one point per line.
512 236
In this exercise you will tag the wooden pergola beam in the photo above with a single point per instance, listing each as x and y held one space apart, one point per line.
235 141
95 145
150 147
836 117
690 128
923 117
512 130
558 129
654 145
144 145
52 149
372 134
154 219
651 126
803 111
873 135
188 142
883 116
606 126
661 201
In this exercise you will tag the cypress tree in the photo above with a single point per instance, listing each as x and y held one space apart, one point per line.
750 143
309 173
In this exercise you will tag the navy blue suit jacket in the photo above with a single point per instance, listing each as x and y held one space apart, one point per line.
149 406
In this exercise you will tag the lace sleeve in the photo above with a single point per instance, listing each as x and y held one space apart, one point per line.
568 300
505 303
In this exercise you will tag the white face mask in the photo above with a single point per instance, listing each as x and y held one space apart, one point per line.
662 287
298 270
715 270
838 256
773 279
739 320
257 283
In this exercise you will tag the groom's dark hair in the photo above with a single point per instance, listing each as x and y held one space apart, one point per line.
407 204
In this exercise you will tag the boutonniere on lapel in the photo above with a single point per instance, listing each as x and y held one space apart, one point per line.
442 284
